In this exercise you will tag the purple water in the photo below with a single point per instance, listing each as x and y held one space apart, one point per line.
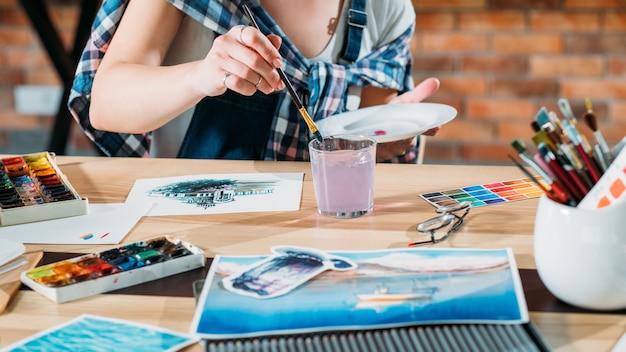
344 182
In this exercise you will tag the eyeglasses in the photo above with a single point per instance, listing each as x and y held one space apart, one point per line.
449 214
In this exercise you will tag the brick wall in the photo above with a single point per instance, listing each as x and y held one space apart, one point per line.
23 61
499 61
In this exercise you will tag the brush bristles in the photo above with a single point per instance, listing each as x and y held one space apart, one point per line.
518 146
535 126
590 120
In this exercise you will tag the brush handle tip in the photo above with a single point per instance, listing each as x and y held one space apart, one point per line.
317 135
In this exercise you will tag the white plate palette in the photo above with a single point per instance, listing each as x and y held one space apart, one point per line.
390 122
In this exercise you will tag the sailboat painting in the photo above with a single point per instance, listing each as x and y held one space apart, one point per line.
382 288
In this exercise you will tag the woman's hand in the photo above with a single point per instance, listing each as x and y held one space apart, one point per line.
423 90
243 60
133 92
387 151
390 150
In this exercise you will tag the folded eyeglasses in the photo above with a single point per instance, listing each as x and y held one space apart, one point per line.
449 215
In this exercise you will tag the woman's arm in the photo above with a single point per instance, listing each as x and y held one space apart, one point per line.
133 93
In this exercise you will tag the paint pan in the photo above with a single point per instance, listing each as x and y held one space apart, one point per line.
113 269
33 188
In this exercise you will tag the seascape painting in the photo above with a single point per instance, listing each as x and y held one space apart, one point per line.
384 288
95 333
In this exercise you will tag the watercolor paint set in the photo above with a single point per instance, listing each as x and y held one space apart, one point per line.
32 188
486 194
113 269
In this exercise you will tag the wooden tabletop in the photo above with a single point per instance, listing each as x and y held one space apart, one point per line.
397 210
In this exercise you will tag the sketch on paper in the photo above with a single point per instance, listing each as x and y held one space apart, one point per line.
211 194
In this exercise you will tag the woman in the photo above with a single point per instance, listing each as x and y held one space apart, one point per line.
193 77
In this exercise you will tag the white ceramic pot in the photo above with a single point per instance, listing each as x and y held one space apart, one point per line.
581 254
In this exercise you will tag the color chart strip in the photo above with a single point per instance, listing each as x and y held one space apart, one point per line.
486 194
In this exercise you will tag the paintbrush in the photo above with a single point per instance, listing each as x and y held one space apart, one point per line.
294 96
577 141
566 109
592 122
555 190
556 194
562 175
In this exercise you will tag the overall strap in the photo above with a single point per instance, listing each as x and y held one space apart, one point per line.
357 20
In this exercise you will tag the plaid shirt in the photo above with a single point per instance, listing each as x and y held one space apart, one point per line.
322 85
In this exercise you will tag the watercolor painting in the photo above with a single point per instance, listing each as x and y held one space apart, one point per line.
287 269
385 288
223 193
93 333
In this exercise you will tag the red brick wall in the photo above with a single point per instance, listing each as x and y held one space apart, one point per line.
499 61
23 61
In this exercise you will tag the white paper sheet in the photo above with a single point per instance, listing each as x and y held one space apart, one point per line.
10 250
104 224
621 345
219 193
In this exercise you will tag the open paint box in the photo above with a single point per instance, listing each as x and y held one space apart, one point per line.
32 188
113 269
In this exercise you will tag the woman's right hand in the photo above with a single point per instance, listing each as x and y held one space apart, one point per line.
133 92
243 60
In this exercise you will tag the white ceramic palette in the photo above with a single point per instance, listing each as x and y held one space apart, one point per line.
390 122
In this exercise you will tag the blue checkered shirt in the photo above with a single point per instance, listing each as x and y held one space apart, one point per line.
322 85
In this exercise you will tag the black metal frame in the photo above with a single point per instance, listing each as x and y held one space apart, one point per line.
64 62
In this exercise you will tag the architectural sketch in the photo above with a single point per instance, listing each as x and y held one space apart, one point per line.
210 192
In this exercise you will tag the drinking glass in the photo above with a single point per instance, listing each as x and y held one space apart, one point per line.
343 175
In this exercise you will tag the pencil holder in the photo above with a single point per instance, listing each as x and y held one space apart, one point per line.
581 254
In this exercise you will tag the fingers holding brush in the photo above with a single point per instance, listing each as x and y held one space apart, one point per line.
257 57
242 60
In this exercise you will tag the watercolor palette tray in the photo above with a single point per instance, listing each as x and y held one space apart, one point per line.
486 194
113 269
32 188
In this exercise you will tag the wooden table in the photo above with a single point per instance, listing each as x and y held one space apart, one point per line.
397 211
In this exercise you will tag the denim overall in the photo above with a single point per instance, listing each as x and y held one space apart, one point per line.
237 127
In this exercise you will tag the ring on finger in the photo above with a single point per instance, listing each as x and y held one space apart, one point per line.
241 35
226 74
259 82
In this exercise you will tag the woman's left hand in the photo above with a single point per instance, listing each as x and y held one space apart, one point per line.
389 150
